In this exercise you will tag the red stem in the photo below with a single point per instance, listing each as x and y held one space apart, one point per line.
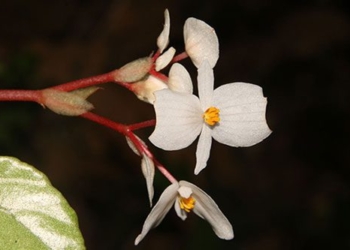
21 95
106 122
89 81
140 125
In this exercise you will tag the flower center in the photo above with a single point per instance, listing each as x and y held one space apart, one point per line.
187 204
211 116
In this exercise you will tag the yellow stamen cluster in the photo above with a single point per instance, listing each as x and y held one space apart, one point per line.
211 116
187 204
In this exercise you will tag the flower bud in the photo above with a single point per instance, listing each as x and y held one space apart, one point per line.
85 92
66 103
134 71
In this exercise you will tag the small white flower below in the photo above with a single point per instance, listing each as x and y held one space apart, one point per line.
186 197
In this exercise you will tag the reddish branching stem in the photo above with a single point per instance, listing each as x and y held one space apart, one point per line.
126 130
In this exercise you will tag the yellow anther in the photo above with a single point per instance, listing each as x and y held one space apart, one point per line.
187 204
211 116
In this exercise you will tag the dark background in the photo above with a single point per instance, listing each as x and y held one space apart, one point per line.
289 192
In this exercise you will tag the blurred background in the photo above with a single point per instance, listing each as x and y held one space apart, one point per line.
291 191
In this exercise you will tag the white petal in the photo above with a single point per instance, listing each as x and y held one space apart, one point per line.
242 114
147 167
201 42
185 192
178 120
206 208
203 149
180 79
163 38
205 81
159 210
180 212
165 59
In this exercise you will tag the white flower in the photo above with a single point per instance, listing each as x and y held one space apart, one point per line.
233 114
187 197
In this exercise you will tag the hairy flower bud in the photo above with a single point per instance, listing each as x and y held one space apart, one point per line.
67 103
85 92
134 71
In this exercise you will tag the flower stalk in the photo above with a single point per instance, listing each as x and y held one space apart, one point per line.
21 95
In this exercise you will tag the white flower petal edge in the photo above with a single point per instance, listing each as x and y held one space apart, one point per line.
201 42
159 210
207 209
163 38
203 149
180 79
190 197
178 123
242 115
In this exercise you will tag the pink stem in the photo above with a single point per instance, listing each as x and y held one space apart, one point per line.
159 75
165 172
179 57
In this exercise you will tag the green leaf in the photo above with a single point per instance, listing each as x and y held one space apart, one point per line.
33 214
